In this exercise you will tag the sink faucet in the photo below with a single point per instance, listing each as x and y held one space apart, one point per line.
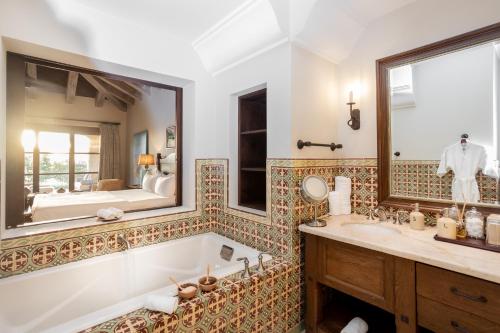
122 238
381 213
246 271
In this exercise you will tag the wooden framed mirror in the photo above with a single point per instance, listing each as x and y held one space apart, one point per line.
429 100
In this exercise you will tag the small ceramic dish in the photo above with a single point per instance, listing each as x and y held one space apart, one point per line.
209 285
187 294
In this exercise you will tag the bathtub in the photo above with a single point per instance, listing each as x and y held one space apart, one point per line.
76 296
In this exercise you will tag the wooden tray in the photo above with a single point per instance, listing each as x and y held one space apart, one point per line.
470 242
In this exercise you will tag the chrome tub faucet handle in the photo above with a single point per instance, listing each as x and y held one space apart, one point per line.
261 267
246 272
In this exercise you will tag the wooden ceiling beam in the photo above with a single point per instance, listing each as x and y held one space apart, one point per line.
115 92
31 71
139 87
99 99
123 87
102 90
71 86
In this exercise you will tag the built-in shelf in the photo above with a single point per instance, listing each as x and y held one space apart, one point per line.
259 131
252 150
254 169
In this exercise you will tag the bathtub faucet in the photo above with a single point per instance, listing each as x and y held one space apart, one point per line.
261 267
246 272
122 238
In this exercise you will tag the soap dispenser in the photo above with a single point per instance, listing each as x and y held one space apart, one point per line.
417 219
447 227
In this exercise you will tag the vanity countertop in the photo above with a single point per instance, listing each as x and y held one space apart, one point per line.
420 246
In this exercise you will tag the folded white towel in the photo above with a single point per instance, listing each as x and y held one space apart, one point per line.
343 184
110 213
167 304
339 203
356 325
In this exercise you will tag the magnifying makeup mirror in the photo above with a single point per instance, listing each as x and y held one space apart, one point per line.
314 190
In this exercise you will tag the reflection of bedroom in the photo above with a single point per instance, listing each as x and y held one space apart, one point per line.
85 137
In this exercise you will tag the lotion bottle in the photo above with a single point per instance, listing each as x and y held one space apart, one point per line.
447 227
417 219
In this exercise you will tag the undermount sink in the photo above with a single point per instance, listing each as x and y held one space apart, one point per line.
372 228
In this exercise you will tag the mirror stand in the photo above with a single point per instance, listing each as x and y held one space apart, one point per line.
316 222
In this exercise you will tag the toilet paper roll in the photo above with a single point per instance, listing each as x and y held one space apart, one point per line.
356 325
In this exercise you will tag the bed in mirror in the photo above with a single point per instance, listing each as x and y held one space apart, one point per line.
79 140
438 123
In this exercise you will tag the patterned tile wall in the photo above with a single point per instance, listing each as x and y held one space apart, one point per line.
419 179
276 233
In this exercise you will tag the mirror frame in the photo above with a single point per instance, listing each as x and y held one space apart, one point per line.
466 40
10 219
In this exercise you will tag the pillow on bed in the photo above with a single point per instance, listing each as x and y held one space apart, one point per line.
148 182
165 186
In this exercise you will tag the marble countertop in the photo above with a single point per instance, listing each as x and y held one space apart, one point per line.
402 241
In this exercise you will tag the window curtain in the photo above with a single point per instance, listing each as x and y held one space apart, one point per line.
109 165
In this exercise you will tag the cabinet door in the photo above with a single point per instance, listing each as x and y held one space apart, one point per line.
365 274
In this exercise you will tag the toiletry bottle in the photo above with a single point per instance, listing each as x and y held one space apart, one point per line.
417 220
447 227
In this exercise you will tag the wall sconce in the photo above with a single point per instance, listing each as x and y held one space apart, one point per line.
355 121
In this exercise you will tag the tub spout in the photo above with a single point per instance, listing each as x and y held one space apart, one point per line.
122 238
246 272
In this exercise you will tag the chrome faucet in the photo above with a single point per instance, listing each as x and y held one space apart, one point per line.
381 213
246 272
122 238
371 214
261 267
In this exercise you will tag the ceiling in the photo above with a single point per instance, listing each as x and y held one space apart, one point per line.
224 32
187 19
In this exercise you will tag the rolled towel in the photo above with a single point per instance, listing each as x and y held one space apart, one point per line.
167 304
343 184
110 213
356 325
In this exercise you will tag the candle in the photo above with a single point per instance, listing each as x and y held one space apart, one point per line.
350 97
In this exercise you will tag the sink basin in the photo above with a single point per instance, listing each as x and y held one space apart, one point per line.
372 228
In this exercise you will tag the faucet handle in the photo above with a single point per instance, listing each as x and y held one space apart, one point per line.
371 213
246 271
261 267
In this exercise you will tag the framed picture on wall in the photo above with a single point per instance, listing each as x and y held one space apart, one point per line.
171 134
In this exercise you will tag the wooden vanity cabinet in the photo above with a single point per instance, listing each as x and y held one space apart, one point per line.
421 297
382 280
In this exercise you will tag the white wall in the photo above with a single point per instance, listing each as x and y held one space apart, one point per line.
417 24
154 113
51 30
453 95
314 101
271 70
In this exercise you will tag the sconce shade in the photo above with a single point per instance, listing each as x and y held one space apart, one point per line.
146 159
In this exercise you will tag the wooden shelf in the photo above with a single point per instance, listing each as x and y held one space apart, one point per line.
259 131
343 308
252 150
254 169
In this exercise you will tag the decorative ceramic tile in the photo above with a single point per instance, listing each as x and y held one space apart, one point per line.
419 179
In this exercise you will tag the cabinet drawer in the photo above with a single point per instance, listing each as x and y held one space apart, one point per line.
446 319
365 274
470 294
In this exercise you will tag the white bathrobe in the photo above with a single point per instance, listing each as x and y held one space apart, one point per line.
465 163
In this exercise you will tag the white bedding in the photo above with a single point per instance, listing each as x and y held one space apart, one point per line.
57 206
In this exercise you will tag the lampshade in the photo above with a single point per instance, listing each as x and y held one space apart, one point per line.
146 159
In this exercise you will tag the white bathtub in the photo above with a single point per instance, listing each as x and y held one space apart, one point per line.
75 296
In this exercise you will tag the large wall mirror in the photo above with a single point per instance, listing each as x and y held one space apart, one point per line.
439 123
79 140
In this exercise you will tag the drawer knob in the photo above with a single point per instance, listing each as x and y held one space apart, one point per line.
458 328
480 299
